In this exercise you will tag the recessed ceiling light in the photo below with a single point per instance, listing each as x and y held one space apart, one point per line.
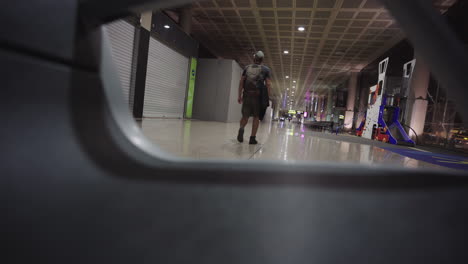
301 29
294 81
167 26
287 77
294 87
286 52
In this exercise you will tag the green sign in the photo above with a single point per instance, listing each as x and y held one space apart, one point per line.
191 88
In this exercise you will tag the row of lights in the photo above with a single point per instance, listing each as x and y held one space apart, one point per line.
301 29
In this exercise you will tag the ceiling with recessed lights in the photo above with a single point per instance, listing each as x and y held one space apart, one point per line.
338 36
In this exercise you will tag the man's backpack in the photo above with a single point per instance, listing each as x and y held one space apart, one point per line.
253 78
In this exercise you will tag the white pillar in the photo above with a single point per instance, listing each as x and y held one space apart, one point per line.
319 108
329 104
276 112
417 99
349 115
146 20
363 97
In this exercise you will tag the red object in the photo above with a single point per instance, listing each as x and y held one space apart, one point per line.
360 129
381 135
359 133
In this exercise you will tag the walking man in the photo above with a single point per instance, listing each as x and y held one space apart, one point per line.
254 78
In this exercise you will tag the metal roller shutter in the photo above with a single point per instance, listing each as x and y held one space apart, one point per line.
122 36
166 82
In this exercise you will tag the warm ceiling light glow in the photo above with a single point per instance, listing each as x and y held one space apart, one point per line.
287 77
301 29
286 52
167 26
294 81
294 86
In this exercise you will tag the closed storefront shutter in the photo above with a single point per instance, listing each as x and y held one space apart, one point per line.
122 36
166 82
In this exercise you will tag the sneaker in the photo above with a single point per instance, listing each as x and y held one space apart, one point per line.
252 141
240 135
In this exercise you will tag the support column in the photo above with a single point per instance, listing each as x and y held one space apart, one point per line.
311 105
276 109
323 114
329 104
349 116
146 20
185 19
362 109
319 104
313 109
142 38
307 99
417 100
322 108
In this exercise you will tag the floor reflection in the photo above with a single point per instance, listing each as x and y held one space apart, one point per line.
286 141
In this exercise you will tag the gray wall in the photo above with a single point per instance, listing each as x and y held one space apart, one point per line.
215 97
234 112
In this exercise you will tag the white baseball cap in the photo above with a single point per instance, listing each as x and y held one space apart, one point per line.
259 54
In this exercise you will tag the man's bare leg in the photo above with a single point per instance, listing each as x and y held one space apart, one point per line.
255 124
243 123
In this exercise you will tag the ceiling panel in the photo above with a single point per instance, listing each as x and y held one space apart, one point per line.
266 13
351 3
305 14
264 3
373 4
224 3
284 3
246 13
304 3
322 14
242 3
325 3
365 15
345 14
286 13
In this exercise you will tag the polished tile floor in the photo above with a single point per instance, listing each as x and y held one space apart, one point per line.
277 141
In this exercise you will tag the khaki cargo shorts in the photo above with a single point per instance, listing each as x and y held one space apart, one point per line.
251 106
